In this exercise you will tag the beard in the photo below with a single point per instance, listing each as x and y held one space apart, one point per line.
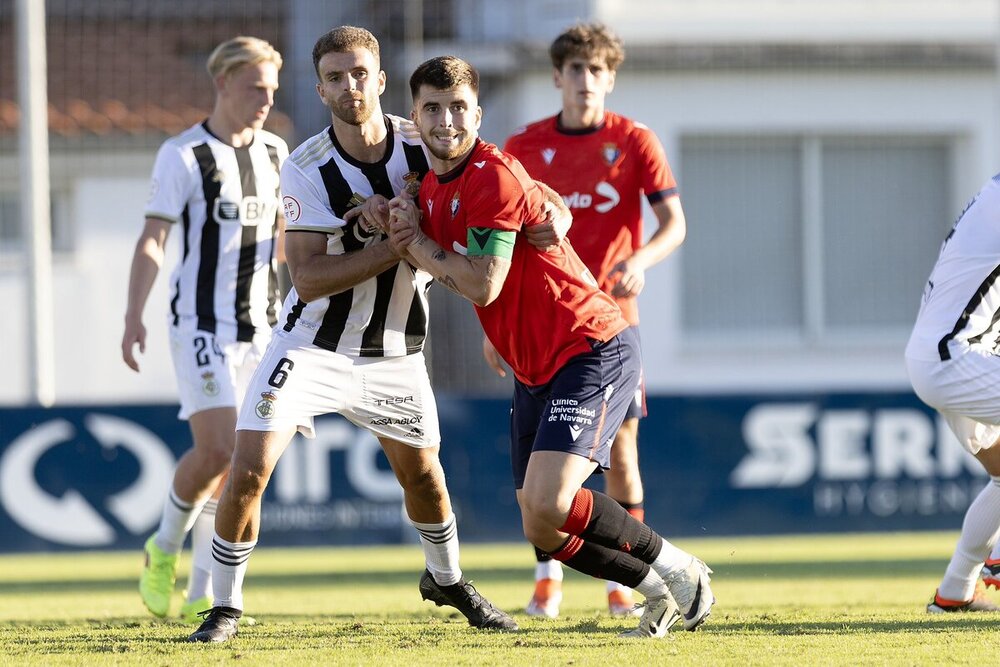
352 115
451 152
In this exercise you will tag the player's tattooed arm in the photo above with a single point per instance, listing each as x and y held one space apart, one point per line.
449 282
478 275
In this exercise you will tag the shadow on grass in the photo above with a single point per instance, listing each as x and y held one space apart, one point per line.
924 624
437 625
873 569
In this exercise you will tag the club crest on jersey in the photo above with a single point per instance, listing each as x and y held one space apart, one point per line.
454 205
412 187
265 408
209 384
611 153
548 154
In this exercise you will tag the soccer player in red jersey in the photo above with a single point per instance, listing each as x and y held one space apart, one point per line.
602 164
574 357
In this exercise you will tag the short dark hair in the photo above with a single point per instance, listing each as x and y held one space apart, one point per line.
342 40
587 40
444 73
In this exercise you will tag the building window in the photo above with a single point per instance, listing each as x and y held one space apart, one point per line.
809 240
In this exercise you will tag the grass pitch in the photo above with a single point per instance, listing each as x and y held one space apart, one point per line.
816 600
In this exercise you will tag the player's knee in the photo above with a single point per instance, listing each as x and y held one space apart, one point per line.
544 508
217 459
247 479
537 532
423 482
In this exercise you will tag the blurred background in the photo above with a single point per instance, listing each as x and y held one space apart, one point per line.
823 149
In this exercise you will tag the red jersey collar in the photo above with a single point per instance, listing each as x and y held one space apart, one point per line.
454 173
561 129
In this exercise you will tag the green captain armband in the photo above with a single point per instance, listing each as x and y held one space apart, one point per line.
488 241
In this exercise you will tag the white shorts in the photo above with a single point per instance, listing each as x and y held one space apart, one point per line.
297 381
966 391
212 373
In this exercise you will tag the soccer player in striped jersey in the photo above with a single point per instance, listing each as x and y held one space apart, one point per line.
574 357
217 181
350 336
602 164
953 363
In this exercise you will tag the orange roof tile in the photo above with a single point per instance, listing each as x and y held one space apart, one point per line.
126 76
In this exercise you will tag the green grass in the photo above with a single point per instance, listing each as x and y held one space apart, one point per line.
817 600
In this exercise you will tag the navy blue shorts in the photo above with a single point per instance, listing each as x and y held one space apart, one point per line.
637 408
580 409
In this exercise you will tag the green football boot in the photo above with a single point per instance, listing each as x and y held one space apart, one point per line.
156 585
190 610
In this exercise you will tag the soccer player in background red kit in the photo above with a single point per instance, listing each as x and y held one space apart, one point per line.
575 358
602 164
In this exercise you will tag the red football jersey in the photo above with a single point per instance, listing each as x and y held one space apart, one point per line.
601 174
550 306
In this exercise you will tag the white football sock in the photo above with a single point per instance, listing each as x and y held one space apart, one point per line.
200 583
652 585
178 517
229 567
979 532
613 586
548 569
440 544
671 560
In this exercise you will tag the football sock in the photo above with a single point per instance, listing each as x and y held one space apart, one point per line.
229 567
548 569
178 517
440 544
602 562
200 584
980 530
652 585
636 510
597 518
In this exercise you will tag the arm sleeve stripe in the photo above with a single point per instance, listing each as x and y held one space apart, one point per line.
662 195
488 241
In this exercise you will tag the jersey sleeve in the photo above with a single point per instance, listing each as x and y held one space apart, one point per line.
305 207
513 144
170 185
500 200
656 177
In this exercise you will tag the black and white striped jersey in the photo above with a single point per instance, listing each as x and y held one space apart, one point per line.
227 199
961 301
384 316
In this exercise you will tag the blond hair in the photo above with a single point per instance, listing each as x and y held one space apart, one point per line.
240 51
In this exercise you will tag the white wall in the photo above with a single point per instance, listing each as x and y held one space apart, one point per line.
812 21
90 288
